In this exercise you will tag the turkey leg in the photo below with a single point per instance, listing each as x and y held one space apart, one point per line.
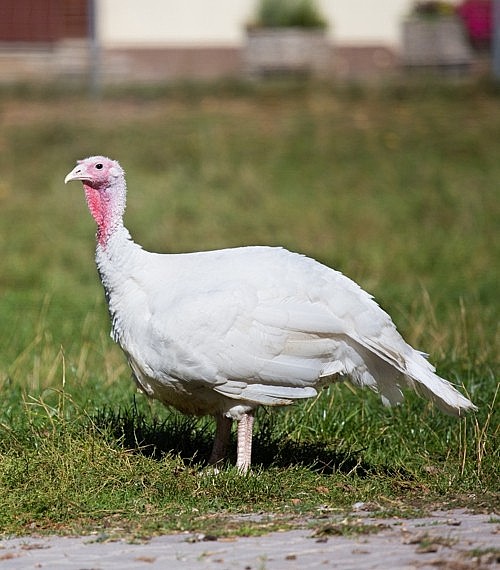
244 453
222 436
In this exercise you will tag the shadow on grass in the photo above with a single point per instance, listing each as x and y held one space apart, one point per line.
192 439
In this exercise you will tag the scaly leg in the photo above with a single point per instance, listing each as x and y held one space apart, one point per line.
244 454
222 436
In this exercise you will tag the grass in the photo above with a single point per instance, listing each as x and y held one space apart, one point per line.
396 186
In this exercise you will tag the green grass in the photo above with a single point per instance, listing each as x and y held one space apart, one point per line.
396 186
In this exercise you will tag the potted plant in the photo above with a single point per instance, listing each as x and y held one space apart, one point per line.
287 37
434 37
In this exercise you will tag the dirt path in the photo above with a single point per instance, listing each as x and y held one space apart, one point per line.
452 540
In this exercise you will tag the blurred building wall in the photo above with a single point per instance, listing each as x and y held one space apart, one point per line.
42 21
157 40
222 22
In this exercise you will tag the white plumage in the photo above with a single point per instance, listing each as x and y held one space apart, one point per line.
223 332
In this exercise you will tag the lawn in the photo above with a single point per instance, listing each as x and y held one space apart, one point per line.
396 186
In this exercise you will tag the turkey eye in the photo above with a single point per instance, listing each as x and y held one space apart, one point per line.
98 166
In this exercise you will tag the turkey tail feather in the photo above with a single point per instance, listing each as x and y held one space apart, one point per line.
440 391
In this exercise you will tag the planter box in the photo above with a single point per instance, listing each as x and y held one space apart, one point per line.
438 42
270 51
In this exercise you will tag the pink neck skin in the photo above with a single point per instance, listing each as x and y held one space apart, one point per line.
103 212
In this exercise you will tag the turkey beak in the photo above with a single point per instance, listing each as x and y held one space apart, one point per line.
78 173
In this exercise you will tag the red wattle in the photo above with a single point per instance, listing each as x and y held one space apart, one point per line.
98 210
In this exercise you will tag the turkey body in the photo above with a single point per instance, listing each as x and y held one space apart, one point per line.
223 332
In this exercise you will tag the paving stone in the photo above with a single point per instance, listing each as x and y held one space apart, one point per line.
452 540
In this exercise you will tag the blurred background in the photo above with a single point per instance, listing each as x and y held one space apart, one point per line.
160 40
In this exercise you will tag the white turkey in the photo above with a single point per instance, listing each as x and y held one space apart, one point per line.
224 332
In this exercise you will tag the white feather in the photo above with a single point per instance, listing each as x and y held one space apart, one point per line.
258 325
